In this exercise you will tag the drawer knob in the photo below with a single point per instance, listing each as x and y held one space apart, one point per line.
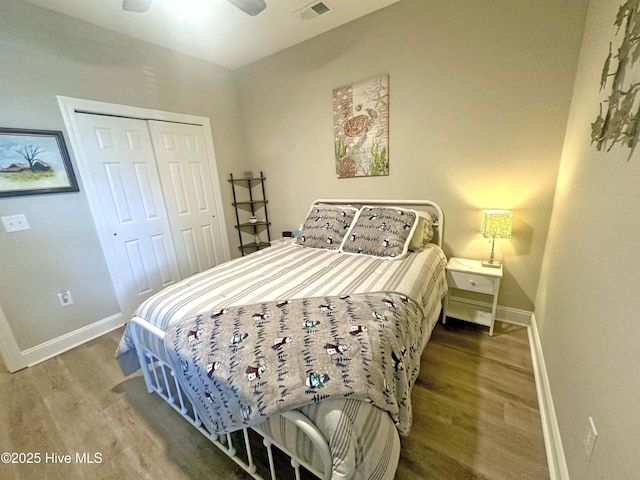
472 282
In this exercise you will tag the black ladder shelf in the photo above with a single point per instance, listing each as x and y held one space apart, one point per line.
255 207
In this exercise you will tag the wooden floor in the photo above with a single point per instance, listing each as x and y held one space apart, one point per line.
475 417
475 408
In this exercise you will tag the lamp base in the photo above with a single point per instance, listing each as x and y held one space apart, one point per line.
491 264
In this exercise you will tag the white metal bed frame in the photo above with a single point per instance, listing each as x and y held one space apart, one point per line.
155 371
155 375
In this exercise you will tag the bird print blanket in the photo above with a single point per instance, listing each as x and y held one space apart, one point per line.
243 364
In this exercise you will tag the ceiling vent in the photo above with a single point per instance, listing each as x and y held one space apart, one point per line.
314 10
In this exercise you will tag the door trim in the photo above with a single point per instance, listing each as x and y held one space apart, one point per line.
11 355
69 106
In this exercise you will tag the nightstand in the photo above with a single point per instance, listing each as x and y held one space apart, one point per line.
471 276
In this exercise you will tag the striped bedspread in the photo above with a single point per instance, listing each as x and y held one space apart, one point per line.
363 439
287 271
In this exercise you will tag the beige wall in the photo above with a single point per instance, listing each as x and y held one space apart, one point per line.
588 301
480 93
43 55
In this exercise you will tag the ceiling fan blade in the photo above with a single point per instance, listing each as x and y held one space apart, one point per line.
139 6
251 7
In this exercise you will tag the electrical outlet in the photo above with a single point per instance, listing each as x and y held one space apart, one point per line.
589 440
65 298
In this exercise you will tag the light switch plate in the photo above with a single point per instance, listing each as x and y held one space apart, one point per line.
15 223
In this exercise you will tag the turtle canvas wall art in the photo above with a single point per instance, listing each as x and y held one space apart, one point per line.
361 128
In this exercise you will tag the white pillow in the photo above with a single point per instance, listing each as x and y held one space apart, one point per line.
424 232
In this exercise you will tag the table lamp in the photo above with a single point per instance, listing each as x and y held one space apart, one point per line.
495 224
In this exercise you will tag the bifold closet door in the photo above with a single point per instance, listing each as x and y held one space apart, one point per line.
139 249
185 176
156 202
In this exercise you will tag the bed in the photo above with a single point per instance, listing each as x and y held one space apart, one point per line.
313 343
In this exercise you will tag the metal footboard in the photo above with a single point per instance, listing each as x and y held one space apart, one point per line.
157 376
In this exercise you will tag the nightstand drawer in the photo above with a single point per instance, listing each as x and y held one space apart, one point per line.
471 282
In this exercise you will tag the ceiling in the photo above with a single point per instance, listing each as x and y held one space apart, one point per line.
215 30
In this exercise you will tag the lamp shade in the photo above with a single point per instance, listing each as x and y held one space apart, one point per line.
496 223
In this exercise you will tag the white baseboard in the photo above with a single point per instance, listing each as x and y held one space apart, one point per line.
514 316
503 314
553 443
59 345
9 350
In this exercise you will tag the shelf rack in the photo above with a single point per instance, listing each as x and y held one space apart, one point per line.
255 206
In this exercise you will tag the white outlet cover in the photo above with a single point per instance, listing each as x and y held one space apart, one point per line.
15 223
65 298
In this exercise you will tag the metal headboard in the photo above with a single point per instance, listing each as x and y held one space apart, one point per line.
422 205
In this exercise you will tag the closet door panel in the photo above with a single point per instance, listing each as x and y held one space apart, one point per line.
185 175
123 167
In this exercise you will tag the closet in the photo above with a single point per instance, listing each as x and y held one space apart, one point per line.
153 195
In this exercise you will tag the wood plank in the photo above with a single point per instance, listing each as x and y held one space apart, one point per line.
475 415
475 408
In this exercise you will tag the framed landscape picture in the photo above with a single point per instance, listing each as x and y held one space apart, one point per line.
34 162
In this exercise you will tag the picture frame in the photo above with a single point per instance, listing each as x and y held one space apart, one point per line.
34 162
361 128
